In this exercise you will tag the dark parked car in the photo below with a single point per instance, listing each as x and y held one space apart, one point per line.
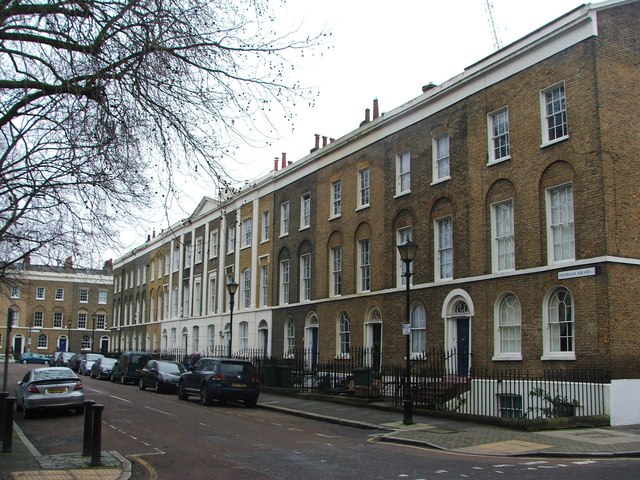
87 362
74 361
101 368
161 375
129 367
30 357
62 360
47 388
221 379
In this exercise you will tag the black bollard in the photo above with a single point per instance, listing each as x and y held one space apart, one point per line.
88 427
3 396
7 431
97 436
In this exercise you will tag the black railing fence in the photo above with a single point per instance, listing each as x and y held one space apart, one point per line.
440 379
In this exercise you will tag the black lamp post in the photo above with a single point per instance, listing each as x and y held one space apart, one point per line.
93 331
232 286
407 252
68 335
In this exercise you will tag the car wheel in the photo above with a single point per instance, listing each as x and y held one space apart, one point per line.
26 413
205 397
251 403
18 407
46 363
79 410
24 362
182 394
111 379
157 386
141 384
123 380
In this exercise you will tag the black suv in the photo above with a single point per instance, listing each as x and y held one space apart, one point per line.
221 379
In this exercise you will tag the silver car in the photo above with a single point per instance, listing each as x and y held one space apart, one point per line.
49 388
87 362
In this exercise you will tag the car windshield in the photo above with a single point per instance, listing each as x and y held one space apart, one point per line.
53 373
108 362
92 357
229 368
169 367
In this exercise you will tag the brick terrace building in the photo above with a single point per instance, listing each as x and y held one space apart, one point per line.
58 308
517 179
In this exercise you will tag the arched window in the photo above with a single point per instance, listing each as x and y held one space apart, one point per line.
418 329
43 341
165 340
560 322
86 342
290 336
344 329
174 338
243 330
195 339
508 328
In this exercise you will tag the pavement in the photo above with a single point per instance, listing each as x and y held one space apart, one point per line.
24 462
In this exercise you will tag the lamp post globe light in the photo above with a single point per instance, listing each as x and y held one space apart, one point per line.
232 286
407 252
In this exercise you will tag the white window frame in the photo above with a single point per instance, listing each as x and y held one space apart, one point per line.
247 232
246 288
418 327
38 319
507 328
305 210
554 325
364 265
41 293
336 271
443 241
285 212
243 331
102 297
285 273
59 294
15 291
197 297
553 114
344 335
403 173
264 285
84 295
199 250
364 187
305 277
214 243
441 158
402 235
231 238
503 236
560 224
58 319
82 320
336 199
266 225
290 336
188 256
213 292
498 132
176 258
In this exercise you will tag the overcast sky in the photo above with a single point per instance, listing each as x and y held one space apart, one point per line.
383 50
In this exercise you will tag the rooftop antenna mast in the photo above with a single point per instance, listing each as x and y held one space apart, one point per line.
488 6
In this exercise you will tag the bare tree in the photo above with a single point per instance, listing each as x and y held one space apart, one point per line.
101 101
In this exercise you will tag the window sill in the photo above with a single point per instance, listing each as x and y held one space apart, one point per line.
441 180
558 356
304 227
363 207
498 161
402 194
343 356
333 217
506 357
548 143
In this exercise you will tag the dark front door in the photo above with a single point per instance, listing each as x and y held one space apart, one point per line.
462 345
376 350
314 348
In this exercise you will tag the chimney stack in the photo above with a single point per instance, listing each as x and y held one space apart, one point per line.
317 144
428 86
376 110
284 160
324 140
275 164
